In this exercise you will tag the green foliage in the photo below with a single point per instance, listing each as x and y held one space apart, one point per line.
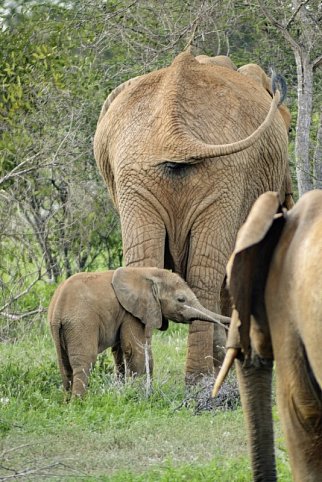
54 205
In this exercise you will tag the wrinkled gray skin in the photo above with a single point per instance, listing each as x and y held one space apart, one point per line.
185 151
275 280
93 311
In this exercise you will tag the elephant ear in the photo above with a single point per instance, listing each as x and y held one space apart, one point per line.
248 267
137 292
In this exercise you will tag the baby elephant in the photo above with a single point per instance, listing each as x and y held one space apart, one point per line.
90 312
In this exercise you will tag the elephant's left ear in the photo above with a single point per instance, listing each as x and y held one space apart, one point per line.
136 292
248 267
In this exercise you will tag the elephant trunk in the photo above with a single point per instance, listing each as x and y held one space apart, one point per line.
255 384
198 312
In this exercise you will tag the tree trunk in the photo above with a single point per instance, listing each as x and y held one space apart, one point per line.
302 143
318 157
303 40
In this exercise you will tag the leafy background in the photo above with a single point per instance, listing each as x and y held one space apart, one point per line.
59 61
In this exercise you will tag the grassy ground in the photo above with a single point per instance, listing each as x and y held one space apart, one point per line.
117 433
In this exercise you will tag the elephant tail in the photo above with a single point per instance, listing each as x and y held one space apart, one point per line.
196 150
279 84
57 331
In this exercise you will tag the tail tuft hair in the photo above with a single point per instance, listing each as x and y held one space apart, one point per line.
279 83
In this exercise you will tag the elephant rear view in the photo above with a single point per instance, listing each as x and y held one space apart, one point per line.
185 151
275 280
93 311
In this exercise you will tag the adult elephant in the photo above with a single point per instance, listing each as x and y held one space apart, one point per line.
275 281
185 151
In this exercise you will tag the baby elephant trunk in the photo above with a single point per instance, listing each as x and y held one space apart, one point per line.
198 312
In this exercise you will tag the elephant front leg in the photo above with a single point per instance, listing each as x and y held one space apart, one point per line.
117 353
133 344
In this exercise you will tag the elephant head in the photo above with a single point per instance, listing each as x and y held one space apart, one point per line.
151 293
275 282
219 60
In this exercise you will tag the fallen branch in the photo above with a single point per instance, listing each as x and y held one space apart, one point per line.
20 316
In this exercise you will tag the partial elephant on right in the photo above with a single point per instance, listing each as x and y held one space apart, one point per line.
275 282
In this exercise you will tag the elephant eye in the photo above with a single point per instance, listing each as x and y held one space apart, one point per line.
181 298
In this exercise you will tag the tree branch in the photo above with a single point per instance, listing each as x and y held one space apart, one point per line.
17 170
317 62
29 471
296 11
194 26
16 317
19 295
295 46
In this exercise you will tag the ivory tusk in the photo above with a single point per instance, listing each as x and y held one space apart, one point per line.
223 372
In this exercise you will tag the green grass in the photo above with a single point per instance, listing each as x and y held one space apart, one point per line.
116 433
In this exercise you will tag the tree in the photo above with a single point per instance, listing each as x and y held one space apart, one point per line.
318 155
300 25
60 219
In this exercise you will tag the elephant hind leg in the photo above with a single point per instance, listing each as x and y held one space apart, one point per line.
200 353
82 367
81 344
63 362
82 358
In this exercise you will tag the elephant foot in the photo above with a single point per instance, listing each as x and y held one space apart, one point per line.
67 396
206 351
199 398
198 392
197 379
